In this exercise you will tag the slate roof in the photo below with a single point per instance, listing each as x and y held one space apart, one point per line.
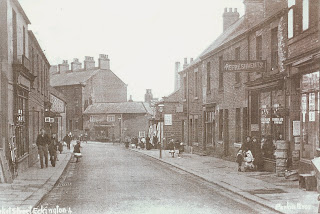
119 108
230 33
72 78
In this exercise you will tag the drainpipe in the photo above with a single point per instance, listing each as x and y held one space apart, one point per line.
188 108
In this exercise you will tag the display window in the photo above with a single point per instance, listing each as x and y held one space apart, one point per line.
309 114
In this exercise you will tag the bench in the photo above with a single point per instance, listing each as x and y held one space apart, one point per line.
308 182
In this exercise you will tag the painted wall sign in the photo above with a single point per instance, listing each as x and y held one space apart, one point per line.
57 104
244 66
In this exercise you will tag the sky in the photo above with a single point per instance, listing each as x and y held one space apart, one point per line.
143 38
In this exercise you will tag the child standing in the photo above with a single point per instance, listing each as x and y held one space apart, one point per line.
239 159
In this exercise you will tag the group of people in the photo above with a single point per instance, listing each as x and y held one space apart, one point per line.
50 146
252 153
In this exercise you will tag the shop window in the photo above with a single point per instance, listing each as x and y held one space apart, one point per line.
238 125
220 72
310 114
220 124
274 48
208 77
237 57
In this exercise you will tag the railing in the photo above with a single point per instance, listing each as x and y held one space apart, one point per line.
22 60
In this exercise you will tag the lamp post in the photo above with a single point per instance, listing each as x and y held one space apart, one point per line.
161 128
120 130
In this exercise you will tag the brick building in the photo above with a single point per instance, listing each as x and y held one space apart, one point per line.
24 90
105 121
85 86
228 104
39 97
303 67
170 118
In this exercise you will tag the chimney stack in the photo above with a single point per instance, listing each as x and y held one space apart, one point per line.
191 60
229 17
64 67
177 76
89 63
254 10
130 99
104 62
76 65
54 69
148 96
185 64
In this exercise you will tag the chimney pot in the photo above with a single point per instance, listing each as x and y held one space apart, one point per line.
64 66
229 18
225 9
235 10
191 60
230 9
76 65
104 62
89 63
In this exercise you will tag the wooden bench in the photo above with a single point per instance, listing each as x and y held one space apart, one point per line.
308 182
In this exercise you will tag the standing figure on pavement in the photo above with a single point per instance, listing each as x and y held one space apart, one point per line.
53 150
42 142
148 145
257 154
239 159
76 151
67 139
60 147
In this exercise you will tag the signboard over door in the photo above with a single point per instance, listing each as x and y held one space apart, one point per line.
244 66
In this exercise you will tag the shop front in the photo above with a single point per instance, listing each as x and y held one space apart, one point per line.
268 117
309 117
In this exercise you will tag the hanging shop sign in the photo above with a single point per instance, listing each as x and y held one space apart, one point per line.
244 66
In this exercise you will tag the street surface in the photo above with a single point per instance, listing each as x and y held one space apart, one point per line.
112 179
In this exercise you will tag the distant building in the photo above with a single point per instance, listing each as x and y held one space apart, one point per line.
126 119
86 86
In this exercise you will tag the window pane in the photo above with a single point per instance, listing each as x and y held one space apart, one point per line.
305 15
291 3
290 23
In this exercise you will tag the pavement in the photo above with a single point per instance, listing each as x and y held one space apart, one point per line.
32 185
264 188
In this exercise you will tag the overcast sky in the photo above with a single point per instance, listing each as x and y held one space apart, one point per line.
143 38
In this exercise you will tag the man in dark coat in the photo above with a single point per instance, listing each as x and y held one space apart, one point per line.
53 147
42 142
67 139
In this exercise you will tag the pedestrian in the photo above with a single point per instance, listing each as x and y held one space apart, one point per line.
67 139
113 138
42 142
60 147
247 145
76 151
257 154
148 145
239 159
53 150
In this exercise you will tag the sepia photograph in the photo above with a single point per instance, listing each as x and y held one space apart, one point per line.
159 106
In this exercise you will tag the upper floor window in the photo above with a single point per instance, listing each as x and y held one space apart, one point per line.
208 77
290 23
220 72
237 57
274 48
111 118
196 79
185 87
259 48
305 14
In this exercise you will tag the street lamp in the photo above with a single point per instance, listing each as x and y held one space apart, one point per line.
160 106
120 131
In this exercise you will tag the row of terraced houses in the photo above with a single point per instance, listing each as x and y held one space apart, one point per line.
214 109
